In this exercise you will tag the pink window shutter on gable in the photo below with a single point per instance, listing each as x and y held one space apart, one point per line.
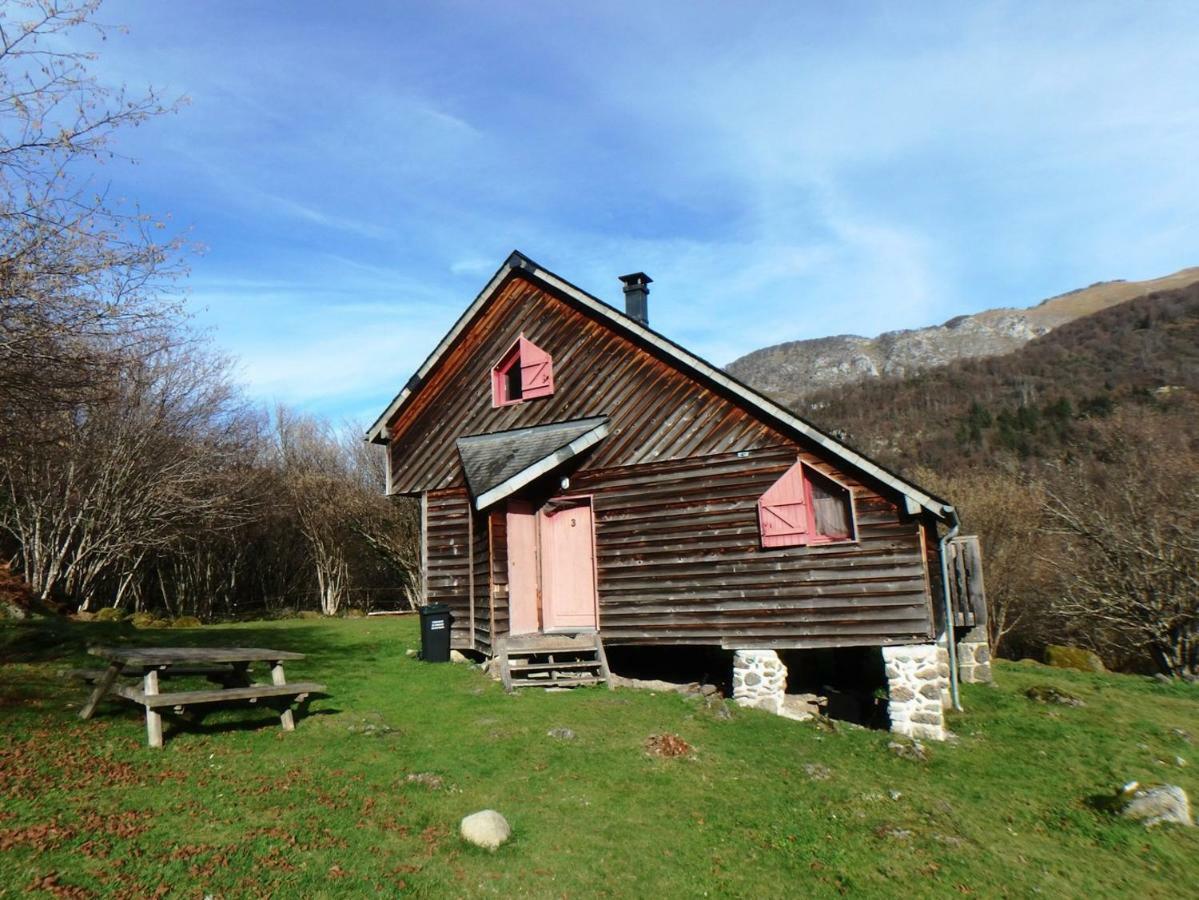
783 512
536 371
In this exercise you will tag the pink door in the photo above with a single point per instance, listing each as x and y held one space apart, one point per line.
568 601
522 568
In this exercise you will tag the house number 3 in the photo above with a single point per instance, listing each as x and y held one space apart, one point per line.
572 523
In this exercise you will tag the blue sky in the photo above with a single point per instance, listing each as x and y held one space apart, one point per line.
782 170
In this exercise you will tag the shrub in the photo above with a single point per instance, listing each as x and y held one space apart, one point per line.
186 622
109 614
142 620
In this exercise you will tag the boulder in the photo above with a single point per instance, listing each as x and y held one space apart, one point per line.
913 750
486 829
457 656
1062 657
1046 693
1155 804
11 611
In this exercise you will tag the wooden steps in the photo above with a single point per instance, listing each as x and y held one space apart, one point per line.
552 661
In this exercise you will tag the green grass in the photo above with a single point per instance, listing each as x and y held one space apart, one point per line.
235 807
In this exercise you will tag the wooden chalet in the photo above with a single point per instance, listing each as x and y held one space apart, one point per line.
585 482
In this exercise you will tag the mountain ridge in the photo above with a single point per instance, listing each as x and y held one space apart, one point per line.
792 370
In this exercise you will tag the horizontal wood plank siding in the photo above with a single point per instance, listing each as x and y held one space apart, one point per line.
448 570
680 561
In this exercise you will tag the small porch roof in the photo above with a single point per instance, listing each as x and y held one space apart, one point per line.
502 462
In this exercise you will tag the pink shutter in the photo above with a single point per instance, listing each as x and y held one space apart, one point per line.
782 512
536 371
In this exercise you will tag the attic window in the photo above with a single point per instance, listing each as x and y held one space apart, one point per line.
525 372
805 507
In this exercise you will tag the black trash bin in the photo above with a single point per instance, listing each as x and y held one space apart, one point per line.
435 633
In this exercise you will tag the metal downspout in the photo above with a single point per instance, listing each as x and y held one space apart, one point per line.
950 637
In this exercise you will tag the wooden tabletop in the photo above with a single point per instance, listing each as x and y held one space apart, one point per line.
161 656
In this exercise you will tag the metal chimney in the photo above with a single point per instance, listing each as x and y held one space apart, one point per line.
636 296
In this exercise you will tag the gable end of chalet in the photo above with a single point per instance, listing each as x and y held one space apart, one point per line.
604 362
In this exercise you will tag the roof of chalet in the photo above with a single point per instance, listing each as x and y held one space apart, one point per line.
916 498
500 463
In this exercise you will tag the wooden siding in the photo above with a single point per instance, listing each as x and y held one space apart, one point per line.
481 583
675 487
680 561
447 574
657 412
498 525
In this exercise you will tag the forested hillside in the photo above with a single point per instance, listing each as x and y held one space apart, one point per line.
1076 458
1031 403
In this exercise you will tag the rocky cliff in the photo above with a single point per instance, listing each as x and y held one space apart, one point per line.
795 369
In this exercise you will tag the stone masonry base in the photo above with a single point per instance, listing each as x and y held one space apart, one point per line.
916 678
974 658
759 680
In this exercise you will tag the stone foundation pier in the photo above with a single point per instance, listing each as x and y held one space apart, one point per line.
759 680
974 657
916 680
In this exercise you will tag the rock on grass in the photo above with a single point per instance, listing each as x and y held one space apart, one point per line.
1061 657
1045 693
1155 804
487 829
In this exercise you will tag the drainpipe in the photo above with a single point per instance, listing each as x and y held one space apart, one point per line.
950 642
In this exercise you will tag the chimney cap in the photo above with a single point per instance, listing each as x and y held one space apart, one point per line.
635 280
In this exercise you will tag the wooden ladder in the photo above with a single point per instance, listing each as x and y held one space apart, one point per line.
553 661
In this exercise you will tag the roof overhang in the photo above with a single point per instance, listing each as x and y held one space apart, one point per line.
500 463
914 498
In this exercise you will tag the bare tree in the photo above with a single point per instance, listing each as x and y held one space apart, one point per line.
1007 513
81 278
161 458
1131 524
390 526
319 485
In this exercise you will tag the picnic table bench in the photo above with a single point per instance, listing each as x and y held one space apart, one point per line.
227 666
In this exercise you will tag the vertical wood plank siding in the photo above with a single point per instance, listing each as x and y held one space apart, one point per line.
680 561
448 569
481 584
656 411
498 524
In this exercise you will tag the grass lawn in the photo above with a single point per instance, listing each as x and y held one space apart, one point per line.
764 806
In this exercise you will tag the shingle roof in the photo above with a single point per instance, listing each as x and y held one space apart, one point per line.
500 462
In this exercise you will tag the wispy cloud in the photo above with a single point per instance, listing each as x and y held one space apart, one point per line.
784 171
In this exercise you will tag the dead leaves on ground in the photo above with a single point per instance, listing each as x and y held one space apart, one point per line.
668 746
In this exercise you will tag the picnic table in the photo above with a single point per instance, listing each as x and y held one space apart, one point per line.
227 666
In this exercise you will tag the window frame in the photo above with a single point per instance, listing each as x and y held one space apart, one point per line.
811 537
823 539
501 372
